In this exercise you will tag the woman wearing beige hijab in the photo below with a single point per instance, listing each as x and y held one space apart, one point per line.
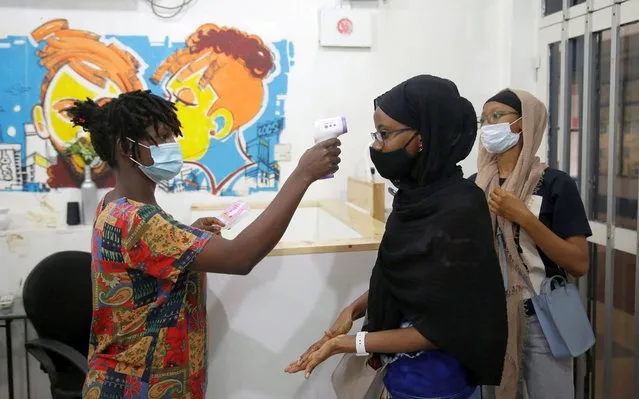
544 225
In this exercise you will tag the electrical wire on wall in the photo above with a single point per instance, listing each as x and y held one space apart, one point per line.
168 12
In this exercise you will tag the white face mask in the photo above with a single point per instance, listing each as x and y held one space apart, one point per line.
498 138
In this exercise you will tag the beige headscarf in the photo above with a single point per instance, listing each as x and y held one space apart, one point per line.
522 182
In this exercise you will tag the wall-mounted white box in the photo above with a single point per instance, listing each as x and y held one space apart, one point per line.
343 27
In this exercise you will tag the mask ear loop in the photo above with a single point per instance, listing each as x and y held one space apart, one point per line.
139 164
517 120
411 140
141 145
148 148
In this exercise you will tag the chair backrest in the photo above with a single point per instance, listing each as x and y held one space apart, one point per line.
58 300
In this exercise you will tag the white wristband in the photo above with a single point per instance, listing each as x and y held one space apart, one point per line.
360 344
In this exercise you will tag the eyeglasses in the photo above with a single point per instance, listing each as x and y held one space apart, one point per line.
381 136
494 117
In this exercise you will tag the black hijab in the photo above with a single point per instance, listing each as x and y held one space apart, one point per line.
437 266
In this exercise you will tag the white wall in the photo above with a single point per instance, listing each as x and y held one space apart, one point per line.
521 18
475 43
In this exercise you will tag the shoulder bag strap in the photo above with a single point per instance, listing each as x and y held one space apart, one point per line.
504 263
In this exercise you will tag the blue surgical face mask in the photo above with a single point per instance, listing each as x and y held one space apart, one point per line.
498 138
167 161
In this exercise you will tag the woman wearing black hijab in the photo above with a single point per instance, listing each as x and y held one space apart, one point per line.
436 304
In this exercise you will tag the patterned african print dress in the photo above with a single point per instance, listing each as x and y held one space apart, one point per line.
149 333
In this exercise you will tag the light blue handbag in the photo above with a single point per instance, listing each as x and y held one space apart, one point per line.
560 312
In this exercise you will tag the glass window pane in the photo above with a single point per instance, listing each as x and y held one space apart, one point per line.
552 6
626 195
601 87
628 112
576 69
553 106
623 351
575 2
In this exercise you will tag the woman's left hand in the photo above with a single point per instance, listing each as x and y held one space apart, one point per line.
210 224
503 203
330 348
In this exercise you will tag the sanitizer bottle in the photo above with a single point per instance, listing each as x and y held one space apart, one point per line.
89 194
233 214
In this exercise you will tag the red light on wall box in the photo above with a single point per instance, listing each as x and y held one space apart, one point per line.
345 26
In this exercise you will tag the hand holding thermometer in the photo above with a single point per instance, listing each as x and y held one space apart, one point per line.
329 128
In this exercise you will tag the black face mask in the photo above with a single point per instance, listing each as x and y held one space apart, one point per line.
393 165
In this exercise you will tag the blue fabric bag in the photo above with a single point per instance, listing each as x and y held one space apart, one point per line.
562 318
560 312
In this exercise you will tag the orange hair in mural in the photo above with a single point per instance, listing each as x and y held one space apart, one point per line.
232 63
86 55
250 50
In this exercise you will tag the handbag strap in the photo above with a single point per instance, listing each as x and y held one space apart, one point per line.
547 284
502 257
504 262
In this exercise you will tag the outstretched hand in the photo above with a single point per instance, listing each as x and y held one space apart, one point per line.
309 361
342 326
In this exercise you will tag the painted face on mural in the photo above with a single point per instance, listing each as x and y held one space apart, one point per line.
51 120
100 71
217 82
217 109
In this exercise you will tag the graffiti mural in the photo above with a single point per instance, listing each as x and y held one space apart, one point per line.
229 87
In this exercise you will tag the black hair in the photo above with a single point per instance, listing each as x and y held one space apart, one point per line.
124 117
507 97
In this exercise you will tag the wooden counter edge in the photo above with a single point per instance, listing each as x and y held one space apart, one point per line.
325 247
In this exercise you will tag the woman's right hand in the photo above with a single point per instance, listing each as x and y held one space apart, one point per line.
342 326
320 161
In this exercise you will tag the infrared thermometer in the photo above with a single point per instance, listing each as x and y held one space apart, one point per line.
329 128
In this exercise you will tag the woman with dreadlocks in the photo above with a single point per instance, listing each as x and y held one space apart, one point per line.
148 335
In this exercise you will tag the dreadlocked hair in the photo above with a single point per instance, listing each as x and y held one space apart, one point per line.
124 117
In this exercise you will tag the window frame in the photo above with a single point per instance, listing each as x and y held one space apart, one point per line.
585 20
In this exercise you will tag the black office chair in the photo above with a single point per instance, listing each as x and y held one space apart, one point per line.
57 300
